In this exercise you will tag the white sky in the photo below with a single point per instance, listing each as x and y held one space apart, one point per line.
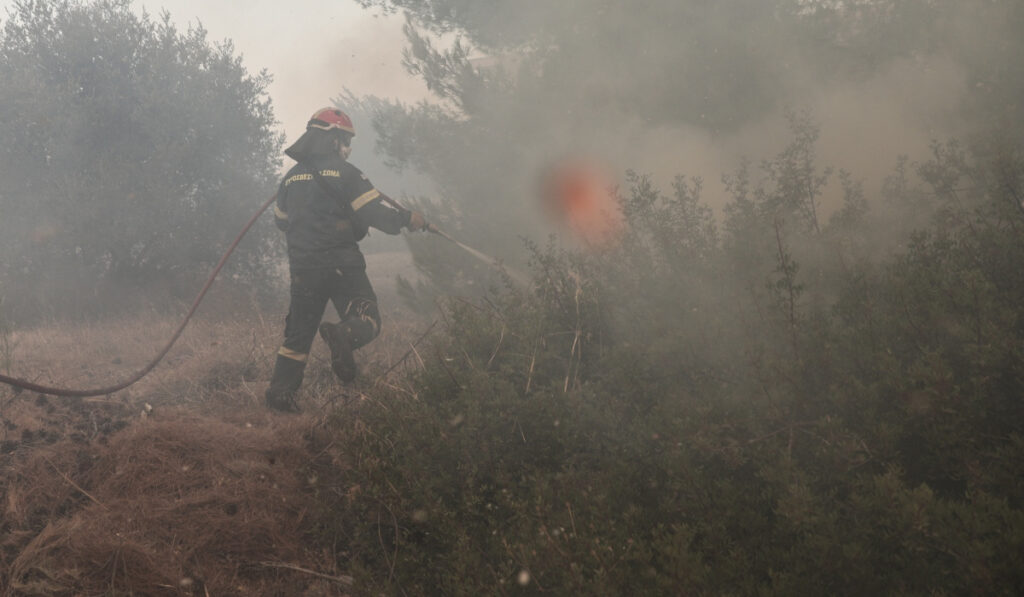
313 48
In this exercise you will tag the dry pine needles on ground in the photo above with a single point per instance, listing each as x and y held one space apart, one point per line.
175 503
208 494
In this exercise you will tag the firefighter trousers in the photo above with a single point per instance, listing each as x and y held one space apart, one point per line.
350 291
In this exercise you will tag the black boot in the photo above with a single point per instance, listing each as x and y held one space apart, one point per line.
342 360
284 384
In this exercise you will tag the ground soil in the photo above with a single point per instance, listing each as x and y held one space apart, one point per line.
183 484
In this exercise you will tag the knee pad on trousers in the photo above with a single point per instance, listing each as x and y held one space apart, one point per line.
360 332
361 322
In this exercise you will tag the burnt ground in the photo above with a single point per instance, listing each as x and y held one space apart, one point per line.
184 484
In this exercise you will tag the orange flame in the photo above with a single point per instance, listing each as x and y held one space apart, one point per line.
583 198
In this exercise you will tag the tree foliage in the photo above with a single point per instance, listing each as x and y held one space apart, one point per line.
596 76
131 150
712 48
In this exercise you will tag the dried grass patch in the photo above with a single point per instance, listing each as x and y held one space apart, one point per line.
207 493
177 503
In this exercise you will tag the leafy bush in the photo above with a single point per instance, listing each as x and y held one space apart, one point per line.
770 409
131 153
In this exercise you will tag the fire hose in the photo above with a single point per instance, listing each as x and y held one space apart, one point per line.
34 387
52 391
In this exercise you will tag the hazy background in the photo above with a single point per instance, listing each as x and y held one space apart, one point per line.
60 190
312 48
315 49
479 98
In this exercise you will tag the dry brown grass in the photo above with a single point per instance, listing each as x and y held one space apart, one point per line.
171 499
184 483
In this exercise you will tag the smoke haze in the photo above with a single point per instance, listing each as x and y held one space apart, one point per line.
664 88
669 88
865 126
314 49
327 46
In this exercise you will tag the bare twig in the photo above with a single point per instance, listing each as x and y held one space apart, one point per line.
494 309
412 350
73 484
576 338
468 303
529 376
568 369
788 428
572 519
384 549
385 384
412 347
393 561
469 360
343 580
501 339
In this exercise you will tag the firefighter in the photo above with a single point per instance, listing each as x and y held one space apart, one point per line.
325 206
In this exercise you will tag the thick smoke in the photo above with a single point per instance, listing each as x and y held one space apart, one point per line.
693 88
865 127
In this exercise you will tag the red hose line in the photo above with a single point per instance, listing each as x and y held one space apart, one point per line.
27 385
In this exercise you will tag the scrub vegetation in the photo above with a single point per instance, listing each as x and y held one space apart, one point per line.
773 405
795 379
806 383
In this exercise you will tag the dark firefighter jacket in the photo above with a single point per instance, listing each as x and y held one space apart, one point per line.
323 228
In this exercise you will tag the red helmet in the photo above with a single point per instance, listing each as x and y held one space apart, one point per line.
329 119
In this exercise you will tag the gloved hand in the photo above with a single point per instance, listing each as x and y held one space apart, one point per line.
417 222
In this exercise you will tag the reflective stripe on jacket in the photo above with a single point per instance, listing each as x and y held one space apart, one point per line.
323 228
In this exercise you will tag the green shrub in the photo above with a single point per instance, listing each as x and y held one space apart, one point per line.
766 411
